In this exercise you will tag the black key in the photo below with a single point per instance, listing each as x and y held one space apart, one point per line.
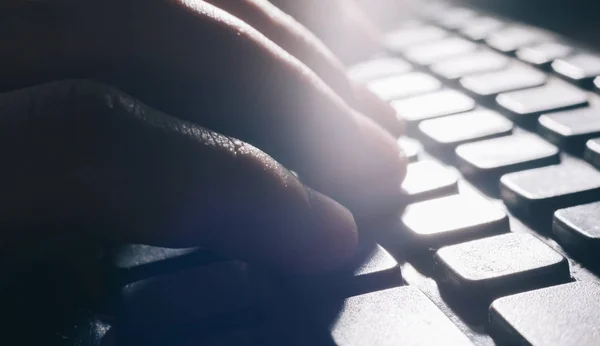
448 132
537 193
429 53
453 219
571 129
403 86
455 17
513 78
480 28
378 68
411 148
371 269
488 268
511 38
576 228
554 96
492 158
464 65
426 180
592 152
564 315
445 102
399 40
581 68
543 53
136 262
399 316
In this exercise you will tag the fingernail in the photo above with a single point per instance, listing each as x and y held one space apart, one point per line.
382 148
378 110
338 234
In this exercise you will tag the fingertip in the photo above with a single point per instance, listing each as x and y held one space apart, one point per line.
378 110
336 237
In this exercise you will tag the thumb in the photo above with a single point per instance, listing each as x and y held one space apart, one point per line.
83 158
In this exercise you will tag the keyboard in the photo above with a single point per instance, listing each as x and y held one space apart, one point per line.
498 242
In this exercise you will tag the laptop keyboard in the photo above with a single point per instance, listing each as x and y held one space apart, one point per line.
499 239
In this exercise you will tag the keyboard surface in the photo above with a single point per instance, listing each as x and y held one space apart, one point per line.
498 241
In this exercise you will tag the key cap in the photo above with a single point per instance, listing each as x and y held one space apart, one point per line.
480 28
571 129
577 229
402 86
429 53
543 53
399 316
448 132
411 148
592 152
464 65
456 17
511 38
437 104
564 315
378 68
450 220
426 180
492 158
554 96
371 269
580 68
513 78
399 40
537 193
136 262
488 268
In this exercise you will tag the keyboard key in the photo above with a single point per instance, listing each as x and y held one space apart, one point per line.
455 18
580 68
399 316
464 65
571 129
426 180
488 268
136 262
592 152
513 78
554 96
492 158
402 86
411 148
451 131
511 38
399 40
576 228
451 220
537 193
437 104
378 68
480 28
371 269
543 53
429 53
565 315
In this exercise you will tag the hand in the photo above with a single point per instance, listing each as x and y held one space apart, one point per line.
118 152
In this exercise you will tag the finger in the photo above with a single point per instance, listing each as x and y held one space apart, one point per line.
82 157
302 44
200 64
341 24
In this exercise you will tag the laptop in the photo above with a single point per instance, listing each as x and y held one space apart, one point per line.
498 243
